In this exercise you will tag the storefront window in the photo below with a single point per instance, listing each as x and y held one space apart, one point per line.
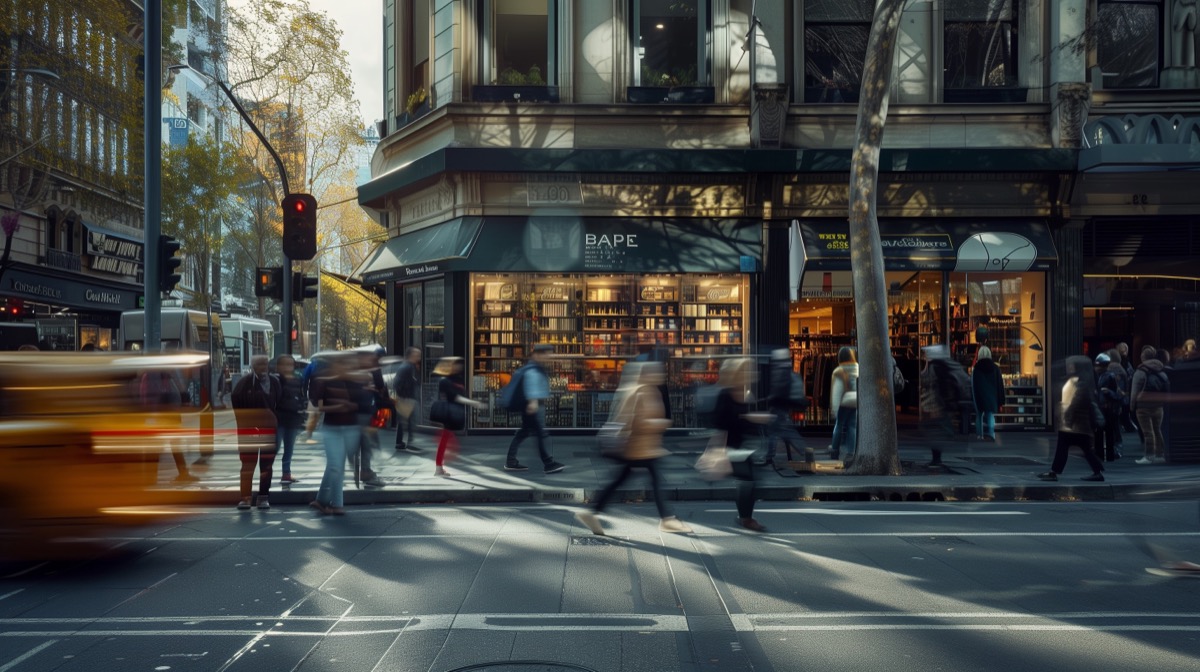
520 45
835 47
980 44
597 323
424 327
1128 42
670 46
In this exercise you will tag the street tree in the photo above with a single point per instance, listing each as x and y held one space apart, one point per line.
877 449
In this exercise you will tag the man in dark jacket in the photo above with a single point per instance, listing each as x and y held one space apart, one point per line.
1148 401
255 399
782 402
406 385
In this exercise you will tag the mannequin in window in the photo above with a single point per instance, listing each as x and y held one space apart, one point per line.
1183 27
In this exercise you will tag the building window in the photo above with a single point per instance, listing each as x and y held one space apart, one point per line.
389 59
1129 43
835 48
519 42
671 42
980 44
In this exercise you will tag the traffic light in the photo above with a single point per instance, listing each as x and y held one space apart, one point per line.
268 282
168 264
299 226
303 287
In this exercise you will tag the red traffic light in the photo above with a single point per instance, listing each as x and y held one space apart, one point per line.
298 206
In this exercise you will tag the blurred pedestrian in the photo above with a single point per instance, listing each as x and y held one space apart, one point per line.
372 396
731 415
1110 386
531 390
1078 419
945 397
1147 401
257 391
987 388
293 404
406 385
785 395
335 393
1128 421
161 393
453 392
843 404
638 403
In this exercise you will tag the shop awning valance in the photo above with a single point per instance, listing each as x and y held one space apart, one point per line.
571 245
1001 246
420 252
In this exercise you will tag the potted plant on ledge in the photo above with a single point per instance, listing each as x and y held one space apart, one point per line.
415 107
670 86
512 85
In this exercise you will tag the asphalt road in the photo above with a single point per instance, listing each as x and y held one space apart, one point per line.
879 586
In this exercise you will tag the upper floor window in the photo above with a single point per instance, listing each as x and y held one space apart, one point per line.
835 47
980 44
519 42
670 42
1128 43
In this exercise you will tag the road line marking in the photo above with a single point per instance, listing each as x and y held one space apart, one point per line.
29 569
27 655
852 512
8 595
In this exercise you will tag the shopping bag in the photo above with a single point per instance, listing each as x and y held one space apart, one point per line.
713 463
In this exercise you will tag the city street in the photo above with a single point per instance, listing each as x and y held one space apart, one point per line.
896 586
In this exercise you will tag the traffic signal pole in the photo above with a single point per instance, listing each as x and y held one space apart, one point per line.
152 155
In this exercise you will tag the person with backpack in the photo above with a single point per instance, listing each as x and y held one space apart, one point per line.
785 395
525 394
945 396
1111 385
1147 401
843 404
1078 420
638 404
987 391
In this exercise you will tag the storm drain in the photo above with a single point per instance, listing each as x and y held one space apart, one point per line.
523 666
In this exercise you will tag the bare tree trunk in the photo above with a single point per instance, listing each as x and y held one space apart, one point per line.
876 453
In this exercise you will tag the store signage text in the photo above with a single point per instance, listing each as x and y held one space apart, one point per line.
835 241
916 242
614 240
37 290
421 270
102 297
553 190
100 243
114 266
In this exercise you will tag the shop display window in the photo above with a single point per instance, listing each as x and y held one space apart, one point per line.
597 323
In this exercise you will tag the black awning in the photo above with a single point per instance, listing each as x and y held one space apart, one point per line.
421 252
953 245
616 245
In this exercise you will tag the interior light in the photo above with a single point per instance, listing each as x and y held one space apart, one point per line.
659 26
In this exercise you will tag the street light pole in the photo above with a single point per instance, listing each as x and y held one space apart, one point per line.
285 320
152 155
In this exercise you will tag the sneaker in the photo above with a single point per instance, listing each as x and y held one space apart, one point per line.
590 521
1093 477
555 467
244 505
288 480
751 524
440 471
1143 460
673 524
1160 460
321 508
516 466
1048 476
374 482
263 504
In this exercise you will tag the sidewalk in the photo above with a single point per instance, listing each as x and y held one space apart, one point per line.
1002 471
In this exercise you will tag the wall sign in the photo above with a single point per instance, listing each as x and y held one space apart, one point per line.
65 292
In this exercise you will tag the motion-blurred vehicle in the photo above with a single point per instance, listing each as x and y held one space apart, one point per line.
79 454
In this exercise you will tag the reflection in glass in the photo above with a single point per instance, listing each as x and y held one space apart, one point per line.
1127 43
520 39
980 44
835 46
668 47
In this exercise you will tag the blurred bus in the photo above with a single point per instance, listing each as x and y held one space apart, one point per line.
191 331
245 337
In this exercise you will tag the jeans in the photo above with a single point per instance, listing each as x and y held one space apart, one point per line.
532 424
368 441
265 457
286 436
1110 435
627 468
339 441
1084 442
1150 419
845 430
987 423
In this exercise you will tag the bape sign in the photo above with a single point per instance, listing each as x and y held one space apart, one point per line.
606 251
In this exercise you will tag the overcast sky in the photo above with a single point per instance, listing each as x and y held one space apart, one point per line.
361 22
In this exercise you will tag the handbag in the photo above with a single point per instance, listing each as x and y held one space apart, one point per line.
713 463
382 418
613 438
404 407
450 415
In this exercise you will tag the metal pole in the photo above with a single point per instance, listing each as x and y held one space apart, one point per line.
152 155
286 318
318 304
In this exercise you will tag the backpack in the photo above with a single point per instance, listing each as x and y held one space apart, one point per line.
512 397
1157 382
1112 395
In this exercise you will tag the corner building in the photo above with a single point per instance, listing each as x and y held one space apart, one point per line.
652 178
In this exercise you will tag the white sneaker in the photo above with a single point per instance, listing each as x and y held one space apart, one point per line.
1144 460
590 521
673 524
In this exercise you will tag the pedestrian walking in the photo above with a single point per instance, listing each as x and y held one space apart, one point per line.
293 404
161 393
452 397
255 398
528 392
372 396
843 404
1147 400
785 395
638 403
336 396
406 385
1078 419
313 370
945 397
1110 385
731 415
987 391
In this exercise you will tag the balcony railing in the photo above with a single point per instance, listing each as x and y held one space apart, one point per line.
61 259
